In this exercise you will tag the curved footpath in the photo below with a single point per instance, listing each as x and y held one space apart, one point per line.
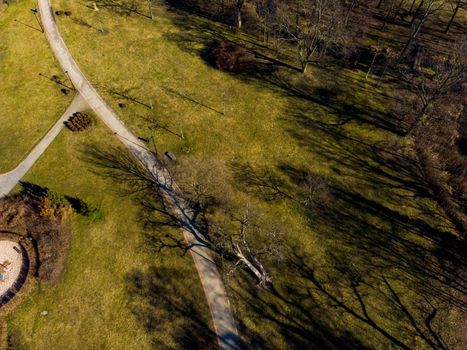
9 180
216 295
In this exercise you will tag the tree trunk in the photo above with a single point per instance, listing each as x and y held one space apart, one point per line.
264 279
458 4
379 4
349 11
150 9
411 6
238 13
417 30
371 65
239 18
414 16
398 9
420 118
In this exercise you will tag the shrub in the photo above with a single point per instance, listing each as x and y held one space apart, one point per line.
91 211
87 209
79 122
231 57
55 197
47 209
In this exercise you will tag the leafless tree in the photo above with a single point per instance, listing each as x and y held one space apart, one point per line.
237 231
238 12
246 240
437 110
439 88
426 8
309 23
266 10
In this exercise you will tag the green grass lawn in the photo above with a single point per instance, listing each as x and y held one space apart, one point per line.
30 104
355 276
377 245
112 290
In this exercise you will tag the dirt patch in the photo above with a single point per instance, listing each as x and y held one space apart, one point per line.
11 263
44 224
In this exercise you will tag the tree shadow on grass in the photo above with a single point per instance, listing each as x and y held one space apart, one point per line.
121 8
334 305
161 302
371 232
328 88
336 95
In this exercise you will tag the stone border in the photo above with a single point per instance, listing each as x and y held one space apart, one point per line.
27 277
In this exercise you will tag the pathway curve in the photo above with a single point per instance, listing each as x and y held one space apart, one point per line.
216 295
9 180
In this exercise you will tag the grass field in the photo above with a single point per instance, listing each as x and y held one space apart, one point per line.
30 103
113 289
366 273
354 273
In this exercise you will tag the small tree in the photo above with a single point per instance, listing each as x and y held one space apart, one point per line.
238 12
426 9
308 24
436 90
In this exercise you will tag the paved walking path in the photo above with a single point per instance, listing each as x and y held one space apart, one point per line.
9 180
216 296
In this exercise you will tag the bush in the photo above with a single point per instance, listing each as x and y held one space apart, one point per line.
231 57
55 197
87 209
79 122
91 211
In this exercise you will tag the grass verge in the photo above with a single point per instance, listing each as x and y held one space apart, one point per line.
30 103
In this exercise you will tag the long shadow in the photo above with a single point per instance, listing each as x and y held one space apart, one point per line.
360 230
320 305
407 323
298 318
160 301
335 100
189 99
122 8
371 235
271 71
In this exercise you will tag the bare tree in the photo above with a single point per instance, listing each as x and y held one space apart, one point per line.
246 241
238 12
437 110
431 7
266 10
238 232
309 23
440 88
